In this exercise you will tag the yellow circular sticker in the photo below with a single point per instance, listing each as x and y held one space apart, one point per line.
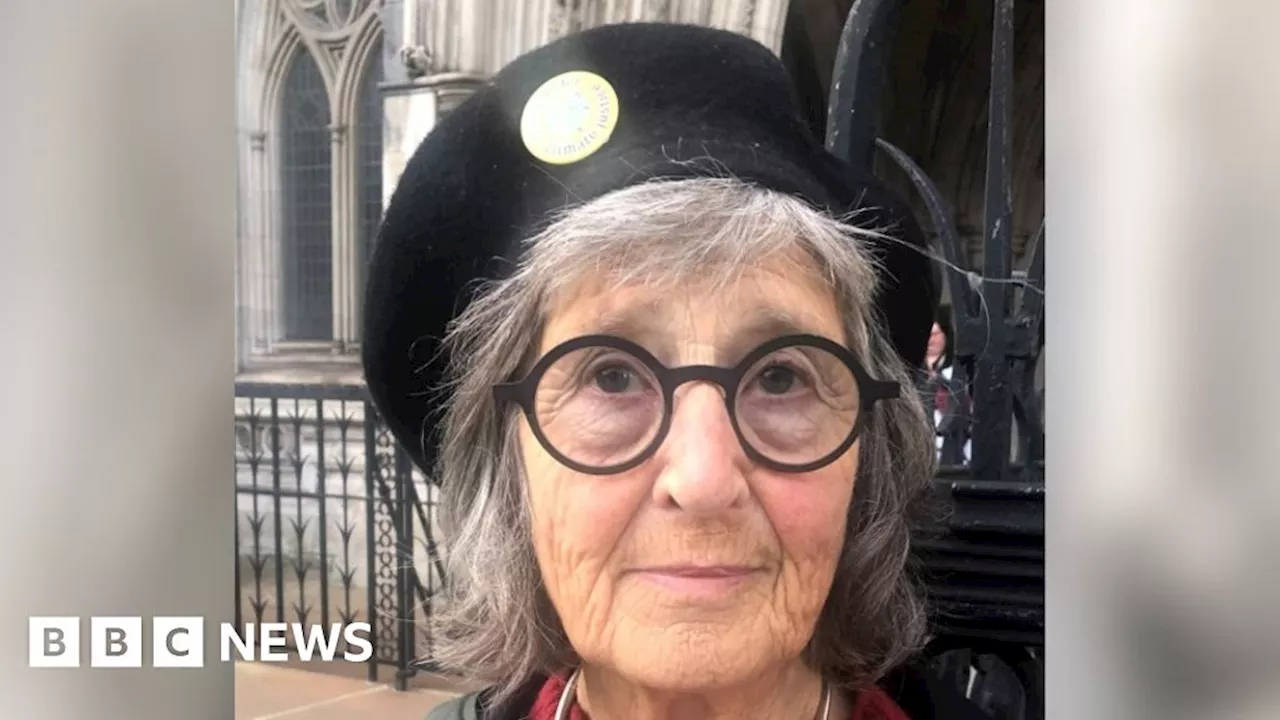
569 117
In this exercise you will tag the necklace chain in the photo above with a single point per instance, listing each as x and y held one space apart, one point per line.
570 688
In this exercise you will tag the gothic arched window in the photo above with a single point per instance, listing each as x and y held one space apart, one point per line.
369 158
306 203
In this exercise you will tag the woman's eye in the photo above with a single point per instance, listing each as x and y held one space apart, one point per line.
613 379
777 380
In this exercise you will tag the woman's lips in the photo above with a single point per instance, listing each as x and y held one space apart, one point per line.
698 582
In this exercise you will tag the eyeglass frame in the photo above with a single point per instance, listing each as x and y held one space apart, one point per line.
523 393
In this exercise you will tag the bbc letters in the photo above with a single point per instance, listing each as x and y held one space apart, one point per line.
179 642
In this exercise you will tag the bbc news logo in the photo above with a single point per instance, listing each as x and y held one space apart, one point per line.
178 642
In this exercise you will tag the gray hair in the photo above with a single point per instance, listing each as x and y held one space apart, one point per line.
495 623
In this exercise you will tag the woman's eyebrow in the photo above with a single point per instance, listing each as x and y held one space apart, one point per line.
767 322
756 326
648 323
633 321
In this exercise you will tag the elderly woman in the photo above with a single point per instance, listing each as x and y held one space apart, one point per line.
656 345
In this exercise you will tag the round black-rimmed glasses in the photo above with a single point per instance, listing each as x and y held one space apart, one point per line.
603 405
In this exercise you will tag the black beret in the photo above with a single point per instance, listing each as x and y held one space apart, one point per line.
652 101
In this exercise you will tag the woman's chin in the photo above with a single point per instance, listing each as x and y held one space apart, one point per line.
692 664
685 675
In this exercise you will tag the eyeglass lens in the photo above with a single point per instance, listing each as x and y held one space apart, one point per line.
602 407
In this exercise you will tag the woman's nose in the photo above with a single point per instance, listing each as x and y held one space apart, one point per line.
702 465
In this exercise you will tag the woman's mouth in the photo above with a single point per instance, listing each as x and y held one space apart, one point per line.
698 582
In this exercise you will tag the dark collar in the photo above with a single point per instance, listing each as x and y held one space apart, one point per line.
516 707
923 695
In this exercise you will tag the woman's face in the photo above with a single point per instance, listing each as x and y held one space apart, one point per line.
698 568
937 343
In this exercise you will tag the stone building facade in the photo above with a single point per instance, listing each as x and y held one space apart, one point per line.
334 95
333 98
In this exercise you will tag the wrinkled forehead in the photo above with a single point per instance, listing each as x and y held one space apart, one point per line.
722 316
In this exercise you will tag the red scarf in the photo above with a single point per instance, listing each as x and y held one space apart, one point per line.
871 704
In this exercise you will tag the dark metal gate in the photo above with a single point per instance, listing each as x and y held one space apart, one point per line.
985 561
334 524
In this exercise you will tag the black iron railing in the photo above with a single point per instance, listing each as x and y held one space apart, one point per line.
334 524
984 561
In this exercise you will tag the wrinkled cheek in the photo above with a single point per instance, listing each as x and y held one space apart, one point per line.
581 592
579 524
823 546
573 557
802 592
812 541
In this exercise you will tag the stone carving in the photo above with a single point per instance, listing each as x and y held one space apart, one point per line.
417 61
327 16
566 18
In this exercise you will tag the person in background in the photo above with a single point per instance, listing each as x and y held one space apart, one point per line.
950 403
658 348
937 355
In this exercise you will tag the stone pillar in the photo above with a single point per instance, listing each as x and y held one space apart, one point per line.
262 260
343 247
768 20
409 113
394 15
426 44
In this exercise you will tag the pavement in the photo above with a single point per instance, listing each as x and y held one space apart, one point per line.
293 692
